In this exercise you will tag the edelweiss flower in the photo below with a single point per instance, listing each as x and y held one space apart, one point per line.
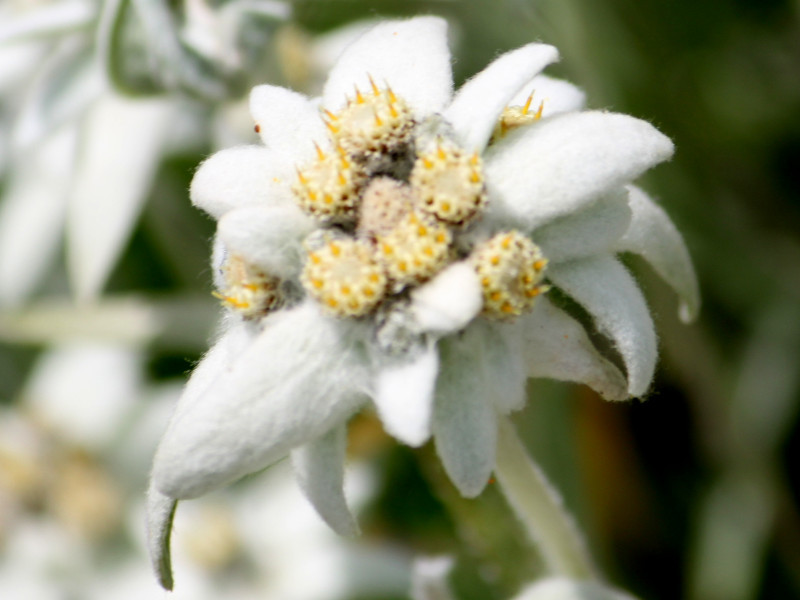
390 245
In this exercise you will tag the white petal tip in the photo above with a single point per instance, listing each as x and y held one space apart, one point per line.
160 515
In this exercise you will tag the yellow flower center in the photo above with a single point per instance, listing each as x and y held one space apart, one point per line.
391 211
415 250
510 268
449 184
328 188
372 123
248 290
345 278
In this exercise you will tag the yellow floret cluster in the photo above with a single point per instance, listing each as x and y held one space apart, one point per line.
417 248
345 277
450 184
247 289
391 209
328 188
517 116
376 123
510 268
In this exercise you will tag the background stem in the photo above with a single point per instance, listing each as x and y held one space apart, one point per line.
540 508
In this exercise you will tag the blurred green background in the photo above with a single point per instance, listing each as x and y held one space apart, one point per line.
692 493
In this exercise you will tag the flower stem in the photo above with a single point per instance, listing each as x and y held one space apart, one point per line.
540 508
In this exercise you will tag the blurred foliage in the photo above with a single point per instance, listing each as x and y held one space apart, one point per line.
693 493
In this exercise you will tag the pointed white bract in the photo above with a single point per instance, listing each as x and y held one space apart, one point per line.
390 246
282 116
412 56
594 230
477 105
562 164
606 289
556 346
296 379
239 177
270 236
652 235
464 422
404 395
319 470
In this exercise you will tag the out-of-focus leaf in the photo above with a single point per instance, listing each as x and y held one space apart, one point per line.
178 67
85 391
560 588
181 323
64 85
739 511
139 45
766 396
122 145
18 62
735 523
32 213
429 578
49 19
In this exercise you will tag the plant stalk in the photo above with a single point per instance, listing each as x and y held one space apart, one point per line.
540 508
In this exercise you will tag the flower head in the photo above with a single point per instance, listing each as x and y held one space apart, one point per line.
399 241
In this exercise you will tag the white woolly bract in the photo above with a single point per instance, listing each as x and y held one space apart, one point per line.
556 346
241 176
404 394
287 122
558 165
464 421
593 230
303 374
449 301
653 235
270 237
319 469
410 56
503 359
610 295
234 337
477 104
